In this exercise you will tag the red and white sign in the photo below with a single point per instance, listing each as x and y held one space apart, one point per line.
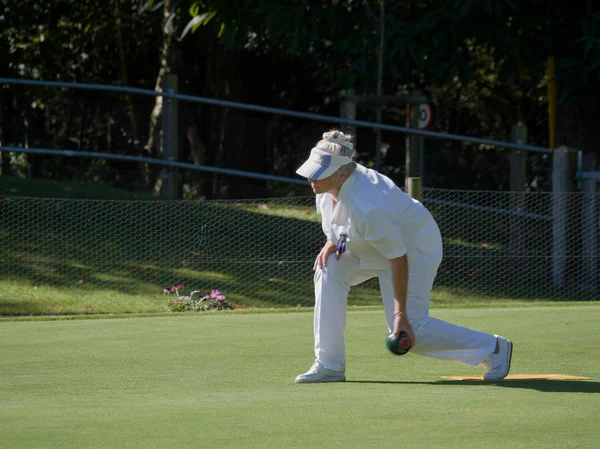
425 115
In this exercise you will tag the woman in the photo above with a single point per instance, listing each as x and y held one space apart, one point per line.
374 229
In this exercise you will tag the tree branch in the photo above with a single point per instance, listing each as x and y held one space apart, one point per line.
374 18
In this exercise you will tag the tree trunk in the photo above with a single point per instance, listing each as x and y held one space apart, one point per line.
153 146
27 133
578 126
125 81
220 155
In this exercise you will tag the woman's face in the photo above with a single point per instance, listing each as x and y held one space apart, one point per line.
329 184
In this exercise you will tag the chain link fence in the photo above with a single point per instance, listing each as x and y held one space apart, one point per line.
97 256
518 245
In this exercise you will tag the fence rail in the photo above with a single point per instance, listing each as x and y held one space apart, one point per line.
154 161
170 152
276 111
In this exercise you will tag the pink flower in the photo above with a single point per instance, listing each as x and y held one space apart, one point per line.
175 303
216 294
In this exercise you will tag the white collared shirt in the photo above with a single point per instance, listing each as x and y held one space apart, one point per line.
380 220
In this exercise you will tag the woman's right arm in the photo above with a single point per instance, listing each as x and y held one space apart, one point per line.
327 249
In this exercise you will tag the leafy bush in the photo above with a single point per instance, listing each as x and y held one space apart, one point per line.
196 301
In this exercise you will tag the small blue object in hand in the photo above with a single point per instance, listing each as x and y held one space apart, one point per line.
341 244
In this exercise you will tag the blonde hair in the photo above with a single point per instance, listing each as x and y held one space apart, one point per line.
338 143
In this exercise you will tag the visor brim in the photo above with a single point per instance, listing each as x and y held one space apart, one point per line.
313 170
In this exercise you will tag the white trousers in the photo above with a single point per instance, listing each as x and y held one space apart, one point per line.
434 338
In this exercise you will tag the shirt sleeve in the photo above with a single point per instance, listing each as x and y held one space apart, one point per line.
383 233
318 199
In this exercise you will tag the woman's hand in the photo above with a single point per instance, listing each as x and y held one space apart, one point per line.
327 249
401 324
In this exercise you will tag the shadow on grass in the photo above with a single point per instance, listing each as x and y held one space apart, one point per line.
546 386
244 249
137 248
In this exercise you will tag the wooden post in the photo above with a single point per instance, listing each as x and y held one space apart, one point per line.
589 227
422 158
517 200
170 137
415 189
412 143
560 187
415 150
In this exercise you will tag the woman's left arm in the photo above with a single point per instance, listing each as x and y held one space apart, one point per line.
400 281
380 230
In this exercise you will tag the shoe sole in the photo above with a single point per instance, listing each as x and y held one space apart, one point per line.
509 361
319 381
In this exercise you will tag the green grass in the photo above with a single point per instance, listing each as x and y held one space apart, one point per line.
306 212
73 249
48 300
225 380
62 256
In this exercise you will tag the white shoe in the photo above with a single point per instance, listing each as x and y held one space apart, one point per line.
318 373
499 364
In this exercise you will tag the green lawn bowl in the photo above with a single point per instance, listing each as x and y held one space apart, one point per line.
400 345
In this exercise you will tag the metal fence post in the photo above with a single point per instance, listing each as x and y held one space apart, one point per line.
560 203
589 227
518 169
170 137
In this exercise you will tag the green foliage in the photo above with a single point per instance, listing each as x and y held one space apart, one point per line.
196 301
340 37
198 20
482 62
75 42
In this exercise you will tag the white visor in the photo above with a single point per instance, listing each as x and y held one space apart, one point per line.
321 165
